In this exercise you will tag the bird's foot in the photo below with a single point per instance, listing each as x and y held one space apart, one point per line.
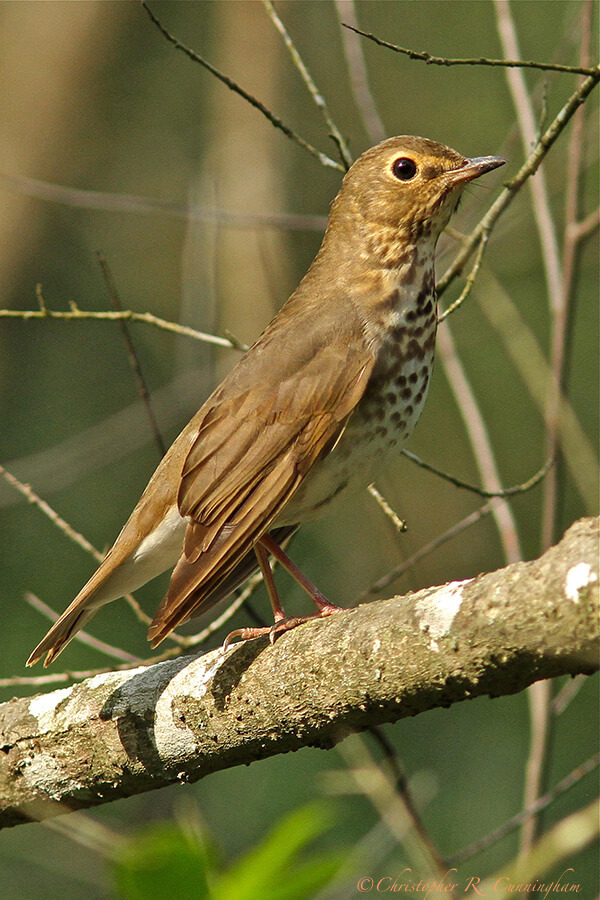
287 623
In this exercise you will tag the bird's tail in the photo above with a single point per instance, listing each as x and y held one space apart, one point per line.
63 630
103 587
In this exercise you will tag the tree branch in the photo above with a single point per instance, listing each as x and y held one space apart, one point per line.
122 733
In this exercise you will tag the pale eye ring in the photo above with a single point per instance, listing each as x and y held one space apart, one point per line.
404 168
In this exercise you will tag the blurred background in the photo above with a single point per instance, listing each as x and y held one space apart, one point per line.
112 141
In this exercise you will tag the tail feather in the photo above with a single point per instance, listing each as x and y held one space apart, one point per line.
122 571
63 630
222 586
87 603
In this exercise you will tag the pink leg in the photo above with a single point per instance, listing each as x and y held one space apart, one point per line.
319 599
282 622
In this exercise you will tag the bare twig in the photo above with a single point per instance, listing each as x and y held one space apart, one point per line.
195 640
527 356
236 342
82 636
503 492
562 309
89 833
74 536
539 695
399 524
561 842
450 533
470 279
126 315
587 226
47 510
459 527
400 784
529 132
317 96
541 803
566 695
394 805
528 169
131 353
233 86
541 723
473 61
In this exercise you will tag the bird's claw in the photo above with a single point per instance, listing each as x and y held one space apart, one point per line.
279 627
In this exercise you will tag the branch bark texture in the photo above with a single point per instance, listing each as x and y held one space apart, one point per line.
122 733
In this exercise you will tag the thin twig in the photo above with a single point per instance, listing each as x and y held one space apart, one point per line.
587 226
74 536
470 279
437 542
82 636
43 680
567 694
400 783
89 833
318 98
47 510
536 770
126 315
539 694
459 527
399 524
529 132
503 492
194 640
473 61
184 642
530 362
233 86
562 308
131 353
529 168
393 808
236 342
541 803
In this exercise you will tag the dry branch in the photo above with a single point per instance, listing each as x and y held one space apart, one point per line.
122 733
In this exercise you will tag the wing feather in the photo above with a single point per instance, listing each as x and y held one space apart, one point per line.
256 440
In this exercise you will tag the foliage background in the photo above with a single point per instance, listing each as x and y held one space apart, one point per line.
93 98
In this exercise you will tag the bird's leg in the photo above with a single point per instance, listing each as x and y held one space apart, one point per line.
320 600
278 614
282 622
265 567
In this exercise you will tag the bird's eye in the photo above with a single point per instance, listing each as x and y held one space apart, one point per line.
404 168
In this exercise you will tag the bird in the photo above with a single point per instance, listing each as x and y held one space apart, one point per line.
333 386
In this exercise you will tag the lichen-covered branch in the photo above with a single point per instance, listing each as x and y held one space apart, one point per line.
122 733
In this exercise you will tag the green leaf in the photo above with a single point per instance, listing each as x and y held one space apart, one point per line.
162 862
272 871
165 861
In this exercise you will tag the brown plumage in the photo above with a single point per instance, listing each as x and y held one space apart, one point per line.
335 381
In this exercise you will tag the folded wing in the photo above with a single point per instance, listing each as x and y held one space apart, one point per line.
253 449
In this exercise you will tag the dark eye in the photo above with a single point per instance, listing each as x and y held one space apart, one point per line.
404 168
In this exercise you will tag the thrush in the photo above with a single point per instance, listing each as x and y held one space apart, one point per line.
334 385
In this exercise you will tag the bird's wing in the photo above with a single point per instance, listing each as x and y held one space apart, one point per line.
254 446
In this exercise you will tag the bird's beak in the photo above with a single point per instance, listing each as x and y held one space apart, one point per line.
475 167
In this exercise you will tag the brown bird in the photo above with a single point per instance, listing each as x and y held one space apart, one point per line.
334 384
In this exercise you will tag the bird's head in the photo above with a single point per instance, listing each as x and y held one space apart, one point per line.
407 185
